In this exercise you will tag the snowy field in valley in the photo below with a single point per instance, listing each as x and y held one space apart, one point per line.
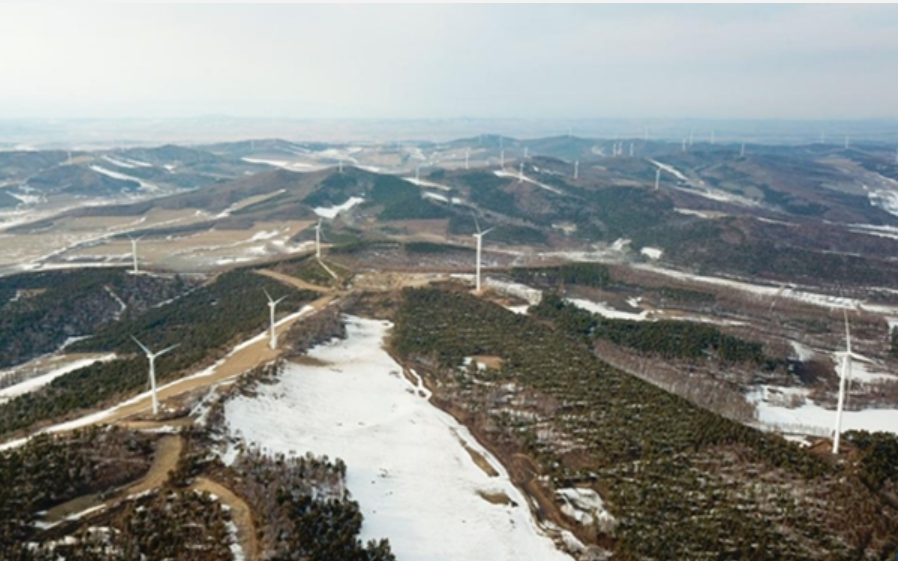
406 466
810 418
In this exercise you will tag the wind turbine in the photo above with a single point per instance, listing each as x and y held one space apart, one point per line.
341 165
272 303
318 239
631 149
479 237
152 358
846 357
502 159
742 151
134 252
418 174
684 144
847 142
521 173
576 169
467 154
526 152
657 178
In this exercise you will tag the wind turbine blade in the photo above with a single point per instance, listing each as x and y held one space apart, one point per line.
163 351
141 345
279 300
477 224
270 299
485 232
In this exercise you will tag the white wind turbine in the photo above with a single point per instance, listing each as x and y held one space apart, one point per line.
152 358
272 304
844 378
479 237
318 239
576 169
134 252
502 159
657 178
467 155
521 173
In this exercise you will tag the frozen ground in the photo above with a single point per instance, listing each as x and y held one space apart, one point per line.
333 211
32 384
813 419
605 310
406 466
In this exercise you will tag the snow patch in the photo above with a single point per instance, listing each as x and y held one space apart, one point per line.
333 211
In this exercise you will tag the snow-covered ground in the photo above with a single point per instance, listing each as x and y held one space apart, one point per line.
124 177
605 310
333 211
32 384
508 174
415 482
652 252
813 419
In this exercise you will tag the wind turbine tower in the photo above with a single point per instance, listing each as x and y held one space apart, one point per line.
631 149
467 155
684 145
521 173
847 142
576 169
742 151
341 166
152 358
479 237
657 178
526 152
502 159
134 241
272 304
846 373
318 240
418 174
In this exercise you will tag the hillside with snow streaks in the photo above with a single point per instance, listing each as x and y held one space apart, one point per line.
406 467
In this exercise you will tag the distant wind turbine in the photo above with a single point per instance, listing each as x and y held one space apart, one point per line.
134 253
684 144
341 165
521 173
152 358
576 169
742 151
847 141
502 159
631 149
418 173
526 152
467 155
272 304
479 237
657 178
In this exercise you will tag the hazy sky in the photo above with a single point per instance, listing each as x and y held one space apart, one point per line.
408 61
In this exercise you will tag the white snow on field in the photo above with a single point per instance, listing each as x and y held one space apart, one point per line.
586 507
604 310
673 171
424 183
121 176
874 230
507 174
119 163
803 352
866 372
822 300
333 211
414 481
435 196
886 200
32 384
264 235
652 252
284 164
810 418
522 291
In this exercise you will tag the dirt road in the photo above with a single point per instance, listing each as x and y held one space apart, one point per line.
240 514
